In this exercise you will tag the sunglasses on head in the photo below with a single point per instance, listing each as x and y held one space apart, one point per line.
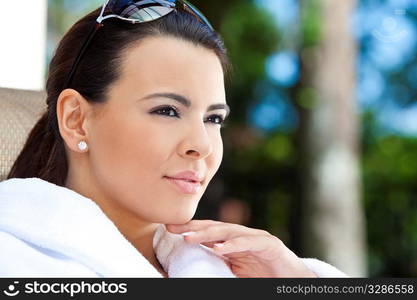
135 12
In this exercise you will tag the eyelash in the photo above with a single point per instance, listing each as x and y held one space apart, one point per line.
222 122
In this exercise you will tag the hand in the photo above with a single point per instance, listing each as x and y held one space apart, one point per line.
250 252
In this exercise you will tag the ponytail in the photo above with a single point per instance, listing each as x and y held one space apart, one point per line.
42 156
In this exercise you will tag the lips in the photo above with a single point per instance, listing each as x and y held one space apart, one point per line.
184 185
188 175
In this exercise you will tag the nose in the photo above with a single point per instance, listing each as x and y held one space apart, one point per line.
196 143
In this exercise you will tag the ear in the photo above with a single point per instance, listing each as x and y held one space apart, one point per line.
73 111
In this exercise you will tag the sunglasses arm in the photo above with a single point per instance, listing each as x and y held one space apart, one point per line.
100 17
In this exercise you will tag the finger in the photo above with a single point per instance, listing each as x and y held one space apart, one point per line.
197 225
222 232
211 244
252 243
234 255
193 225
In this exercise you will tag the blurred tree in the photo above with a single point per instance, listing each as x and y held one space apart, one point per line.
333 222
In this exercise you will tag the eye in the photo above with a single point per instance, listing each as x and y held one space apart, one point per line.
168 111
171 111
217 119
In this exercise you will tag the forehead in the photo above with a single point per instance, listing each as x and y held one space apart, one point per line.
171 63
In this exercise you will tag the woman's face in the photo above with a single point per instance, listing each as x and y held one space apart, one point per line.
135 140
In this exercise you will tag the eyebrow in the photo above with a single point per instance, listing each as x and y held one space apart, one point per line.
186 102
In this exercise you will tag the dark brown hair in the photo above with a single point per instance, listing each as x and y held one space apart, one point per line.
43 154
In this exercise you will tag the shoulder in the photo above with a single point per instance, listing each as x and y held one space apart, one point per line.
19 258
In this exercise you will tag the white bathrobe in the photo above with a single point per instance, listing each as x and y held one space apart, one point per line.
50 231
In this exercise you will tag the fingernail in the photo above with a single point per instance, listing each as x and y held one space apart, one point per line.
188 233
219 245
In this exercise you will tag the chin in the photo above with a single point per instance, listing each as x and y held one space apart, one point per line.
180 218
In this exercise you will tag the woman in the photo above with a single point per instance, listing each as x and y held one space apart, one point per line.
136 103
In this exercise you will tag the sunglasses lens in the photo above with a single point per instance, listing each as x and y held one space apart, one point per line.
148 10
141 11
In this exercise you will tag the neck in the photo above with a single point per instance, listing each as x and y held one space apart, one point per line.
138 232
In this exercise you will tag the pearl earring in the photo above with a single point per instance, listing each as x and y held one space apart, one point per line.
82 145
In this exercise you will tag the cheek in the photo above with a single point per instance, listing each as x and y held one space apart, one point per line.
130 149
214 160
126 159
